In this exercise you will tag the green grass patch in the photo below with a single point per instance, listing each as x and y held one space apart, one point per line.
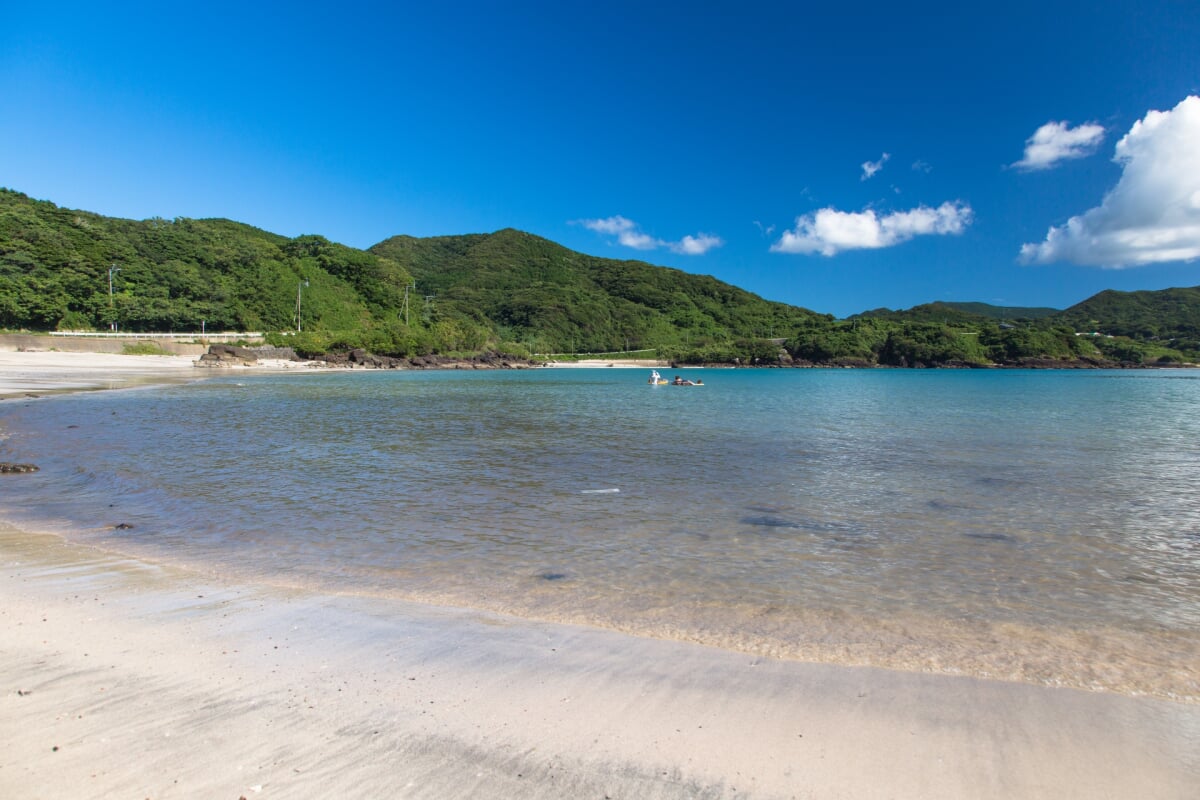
144 349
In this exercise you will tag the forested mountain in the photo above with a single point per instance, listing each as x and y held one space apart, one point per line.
539 292
941 311
63 269
1171 316
515 293
508 291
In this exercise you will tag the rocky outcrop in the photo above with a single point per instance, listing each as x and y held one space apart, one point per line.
224 355
361 359
227 355
268 352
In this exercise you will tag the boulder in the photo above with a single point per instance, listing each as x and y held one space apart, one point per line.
227 355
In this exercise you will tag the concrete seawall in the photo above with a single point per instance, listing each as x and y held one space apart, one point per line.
175 344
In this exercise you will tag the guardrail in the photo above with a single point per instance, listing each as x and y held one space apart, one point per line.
224 336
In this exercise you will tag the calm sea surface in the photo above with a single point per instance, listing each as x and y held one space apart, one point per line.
1031 525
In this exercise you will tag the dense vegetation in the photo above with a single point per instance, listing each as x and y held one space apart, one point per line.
514 293
555 300
945 311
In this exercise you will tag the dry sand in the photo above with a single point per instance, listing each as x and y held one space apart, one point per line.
120 678
627 363
25 373
41 372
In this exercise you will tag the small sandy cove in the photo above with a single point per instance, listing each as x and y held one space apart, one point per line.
24 373
121 678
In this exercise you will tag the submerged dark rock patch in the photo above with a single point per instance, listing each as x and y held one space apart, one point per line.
771 522
992 537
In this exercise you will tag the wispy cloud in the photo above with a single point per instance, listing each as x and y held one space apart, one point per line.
696 245
922 166
765 230
1056 142
830 231
1152 215
869 168
629 234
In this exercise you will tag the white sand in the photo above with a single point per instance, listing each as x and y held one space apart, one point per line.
626 363
122 679
24 373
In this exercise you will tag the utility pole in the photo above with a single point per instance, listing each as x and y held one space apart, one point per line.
113 268
299 286
406 288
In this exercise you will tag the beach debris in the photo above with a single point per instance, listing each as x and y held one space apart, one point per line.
7 467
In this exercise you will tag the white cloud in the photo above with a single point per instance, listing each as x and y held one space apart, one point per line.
628 235
1056 141
696 245
612 225
869 168
922 166
830 231
1152 215
624 229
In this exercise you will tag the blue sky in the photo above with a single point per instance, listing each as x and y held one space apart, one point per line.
839 159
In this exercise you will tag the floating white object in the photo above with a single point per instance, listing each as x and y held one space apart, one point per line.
599 491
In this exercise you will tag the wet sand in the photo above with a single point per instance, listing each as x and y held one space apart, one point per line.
127 679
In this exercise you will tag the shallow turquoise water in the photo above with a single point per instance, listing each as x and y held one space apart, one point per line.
1036 525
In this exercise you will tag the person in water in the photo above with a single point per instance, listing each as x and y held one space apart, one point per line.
655 377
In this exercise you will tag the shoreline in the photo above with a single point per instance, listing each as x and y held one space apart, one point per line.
125 678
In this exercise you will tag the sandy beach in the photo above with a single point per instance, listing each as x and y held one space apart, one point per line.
44 372
126 679
123 678
25 373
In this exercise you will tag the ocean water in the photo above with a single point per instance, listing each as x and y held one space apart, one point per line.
1026 525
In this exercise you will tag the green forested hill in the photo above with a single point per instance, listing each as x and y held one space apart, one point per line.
944 310
508 290
515 293
169 275
537 291
1171 316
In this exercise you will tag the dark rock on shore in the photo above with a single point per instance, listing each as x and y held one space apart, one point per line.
227 355
359 358
6 467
